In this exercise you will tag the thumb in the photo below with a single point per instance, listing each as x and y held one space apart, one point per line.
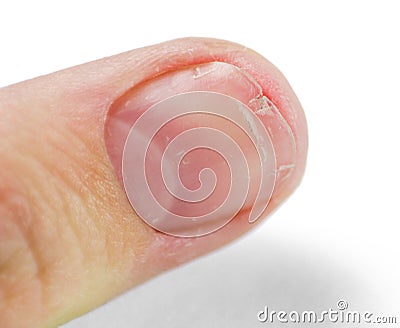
76 229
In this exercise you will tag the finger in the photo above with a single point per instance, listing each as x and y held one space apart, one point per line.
69 238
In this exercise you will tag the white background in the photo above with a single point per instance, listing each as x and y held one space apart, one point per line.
338 235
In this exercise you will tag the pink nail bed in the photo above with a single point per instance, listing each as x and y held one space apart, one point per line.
195 148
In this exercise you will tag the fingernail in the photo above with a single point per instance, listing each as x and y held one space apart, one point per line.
195 148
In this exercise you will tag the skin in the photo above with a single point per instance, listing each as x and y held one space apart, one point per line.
69 239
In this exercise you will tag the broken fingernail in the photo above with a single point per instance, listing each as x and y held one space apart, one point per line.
195 148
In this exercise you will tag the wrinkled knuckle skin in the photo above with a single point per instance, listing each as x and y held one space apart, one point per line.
44 220
31 243
61 232
19 269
